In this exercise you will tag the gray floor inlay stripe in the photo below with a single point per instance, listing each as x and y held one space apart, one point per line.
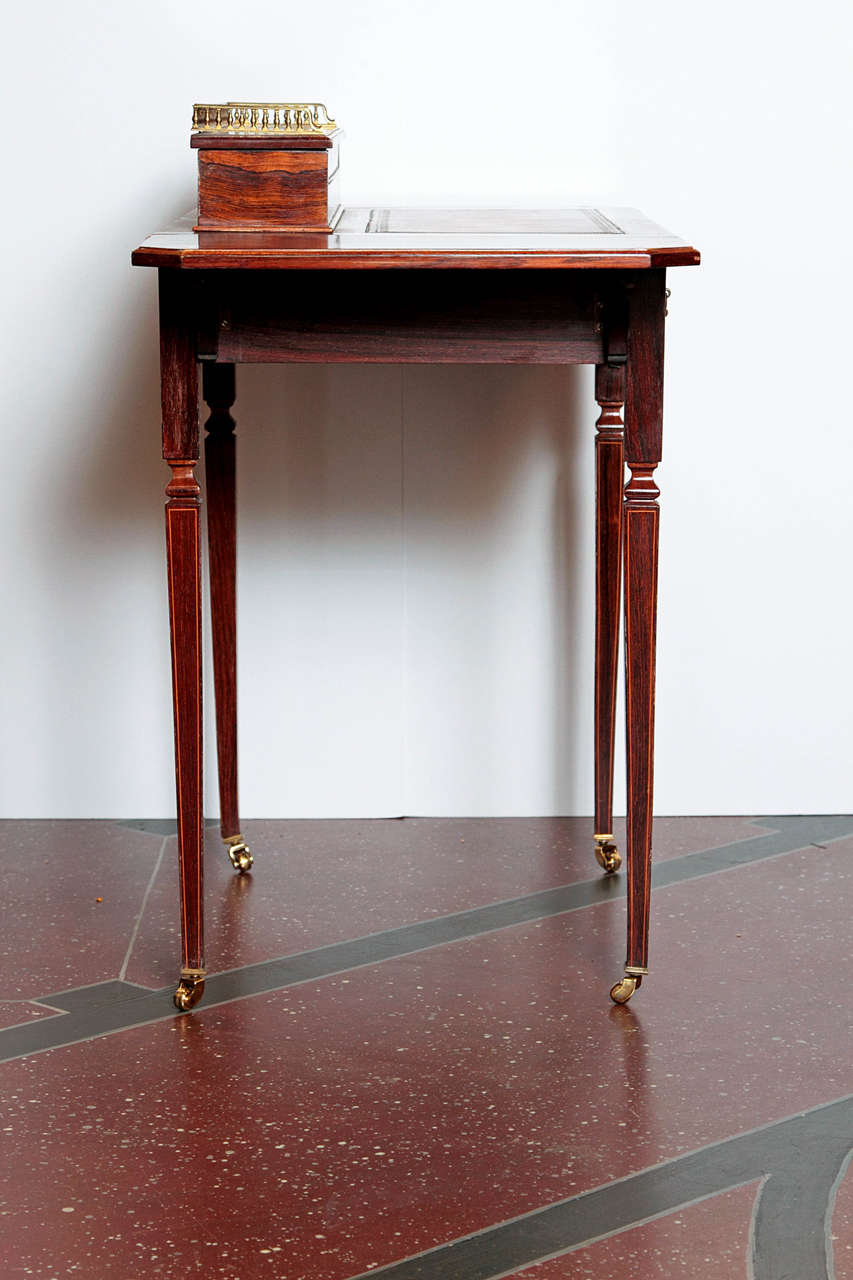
791 833
105 1008
790 1150
789 1232
86 1000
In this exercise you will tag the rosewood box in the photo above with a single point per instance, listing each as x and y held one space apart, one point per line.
266 166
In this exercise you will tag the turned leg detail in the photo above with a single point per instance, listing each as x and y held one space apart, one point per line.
643 432
609 472
220 467
183 554
179 399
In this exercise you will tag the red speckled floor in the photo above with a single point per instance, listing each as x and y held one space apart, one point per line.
474 1108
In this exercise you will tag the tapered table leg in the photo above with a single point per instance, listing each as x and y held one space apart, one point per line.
643 430
179 388
219 457
609 474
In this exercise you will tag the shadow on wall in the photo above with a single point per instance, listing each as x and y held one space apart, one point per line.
415 573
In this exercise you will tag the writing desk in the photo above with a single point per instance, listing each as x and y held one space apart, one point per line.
564 286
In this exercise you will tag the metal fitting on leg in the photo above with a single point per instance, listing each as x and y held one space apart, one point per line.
190 989
238 852
607 854
623 990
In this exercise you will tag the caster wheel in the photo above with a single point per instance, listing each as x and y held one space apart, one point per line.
622 992
188 994
607 855
240 854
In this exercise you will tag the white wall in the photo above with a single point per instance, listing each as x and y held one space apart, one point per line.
416 590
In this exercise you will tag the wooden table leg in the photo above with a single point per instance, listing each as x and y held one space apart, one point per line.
643 429
179 388
219 463
609 475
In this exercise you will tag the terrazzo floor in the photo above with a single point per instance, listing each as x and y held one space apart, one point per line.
406 1063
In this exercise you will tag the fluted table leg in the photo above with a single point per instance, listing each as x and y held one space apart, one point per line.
219 458
179 388
609 473
643 430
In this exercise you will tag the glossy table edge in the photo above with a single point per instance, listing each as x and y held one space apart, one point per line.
640 244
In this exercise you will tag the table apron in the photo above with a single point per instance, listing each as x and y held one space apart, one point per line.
400 318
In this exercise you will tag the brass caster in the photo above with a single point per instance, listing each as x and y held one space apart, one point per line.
239 853
607 855
190 991
623 990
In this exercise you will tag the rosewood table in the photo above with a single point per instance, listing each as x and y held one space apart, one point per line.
257 278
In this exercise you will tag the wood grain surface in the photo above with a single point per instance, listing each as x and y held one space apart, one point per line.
254 190
179 397
643 436
515 241
402 317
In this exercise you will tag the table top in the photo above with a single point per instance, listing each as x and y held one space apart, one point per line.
380 238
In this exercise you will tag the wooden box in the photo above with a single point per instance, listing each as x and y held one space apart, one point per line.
266 167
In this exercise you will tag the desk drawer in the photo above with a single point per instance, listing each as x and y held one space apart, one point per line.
392 317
